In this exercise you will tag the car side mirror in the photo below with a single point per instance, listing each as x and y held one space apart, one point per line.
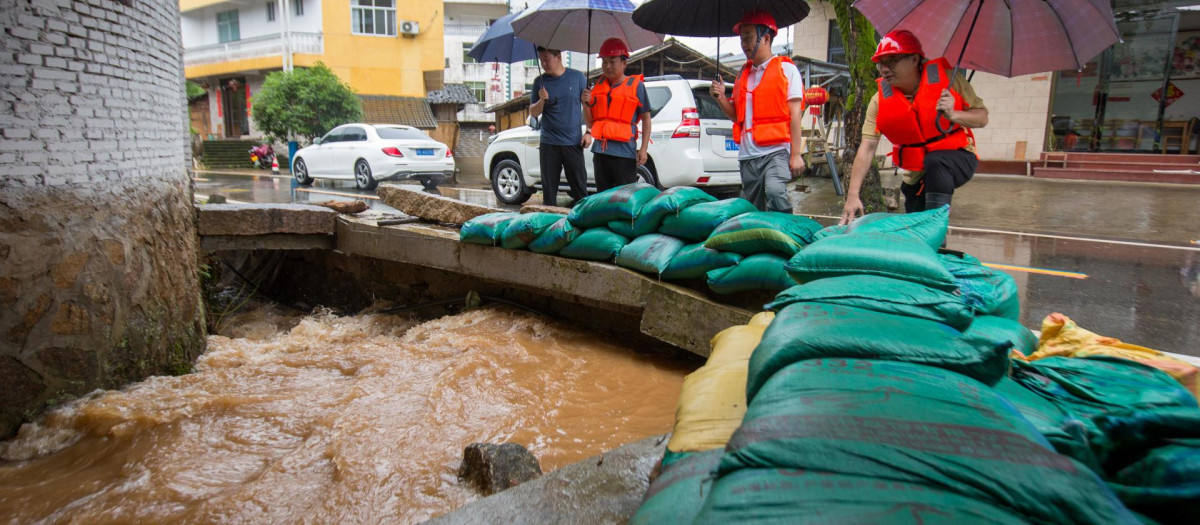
533 123
316 141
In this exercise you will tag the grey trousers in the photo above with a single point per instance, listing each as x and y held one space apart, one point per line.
765 179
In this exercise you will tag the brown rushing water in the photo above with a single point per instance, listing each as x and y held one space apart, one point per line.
328 419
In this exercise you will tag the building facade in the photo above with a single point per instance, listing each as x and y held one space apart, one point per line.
1139 96
378 47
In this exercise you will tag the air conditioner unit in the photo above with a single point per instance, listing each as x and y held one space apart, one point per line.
410 28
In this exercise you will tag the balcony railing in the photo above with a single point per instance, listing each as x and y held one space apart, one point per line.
261 46
468 30
481 71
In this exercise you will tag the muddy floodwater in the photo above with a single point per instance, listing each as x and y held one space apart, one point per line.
326 419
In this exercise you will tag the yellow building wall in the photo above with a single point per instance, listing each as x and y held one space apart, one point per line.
384 65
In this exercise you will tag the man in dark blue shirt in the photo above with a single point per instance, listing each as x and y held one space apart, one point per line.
557 101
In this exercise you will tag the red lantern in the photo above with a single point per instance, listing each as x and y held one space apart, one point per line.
815 96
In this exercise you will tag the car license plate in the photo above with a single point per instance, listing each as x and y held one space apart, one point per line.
425 152
730 145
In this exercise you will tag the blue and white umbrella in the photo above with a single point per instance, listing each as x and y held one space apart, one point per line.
499 44
582 25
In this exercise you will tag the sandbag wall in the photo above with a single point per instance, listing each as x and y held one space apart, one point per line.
883 391
679 234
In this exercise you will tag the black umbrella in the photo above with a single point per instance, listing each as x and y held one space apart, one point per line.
712 17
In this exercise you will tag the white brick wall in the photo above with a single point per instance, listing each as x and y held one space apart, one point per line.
88 95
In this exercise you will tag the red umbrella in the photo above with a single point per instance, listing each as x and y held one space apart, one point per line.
1005 37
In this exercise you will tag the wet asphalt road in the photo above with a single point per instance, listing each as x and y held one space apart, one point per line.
1142 287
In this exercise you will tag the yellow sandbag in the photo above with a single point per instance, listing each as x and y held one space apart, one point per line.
762 319
1062 337
711 406
735 343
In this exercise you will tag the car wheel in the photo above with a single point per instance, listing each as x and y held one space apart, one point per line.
300 171
362 176
646 175
508 183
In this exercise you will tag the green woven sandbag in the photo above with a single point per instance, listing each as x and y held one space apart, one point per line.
1067 433
830 231
623 228
596 244
1001 329
806 331
756 272
696 222
915 424
1164 483
882 254
988 291
523 230
881 294
803 497
763 232
1114 382
486 229
694 261
616 204
678 493
667 203
555 238
649 253
927 226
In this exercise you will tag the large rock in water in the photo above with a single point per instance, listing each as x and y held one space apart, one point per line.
411 200
494 468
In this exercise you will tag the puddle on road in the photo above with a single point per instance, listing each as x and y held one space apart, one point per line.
327 419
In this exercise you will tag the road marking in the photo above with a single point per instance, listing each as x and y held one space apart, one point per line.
1043 271
1051 236
340 194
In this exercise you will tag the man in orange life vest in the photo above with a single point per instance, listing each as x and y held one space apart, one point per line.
612 109
914 95
766 108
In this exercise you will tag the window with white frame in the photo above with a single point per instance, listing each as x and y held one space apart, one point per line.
298 7
468 59
373 17
479 89
227 26
270 11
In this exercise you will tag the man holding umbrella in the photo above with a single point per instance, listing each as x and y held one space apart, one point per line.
766 109
612 110
556 98
927 116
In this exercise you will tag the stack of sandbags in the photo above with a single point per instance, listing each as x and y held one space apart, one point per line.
711 405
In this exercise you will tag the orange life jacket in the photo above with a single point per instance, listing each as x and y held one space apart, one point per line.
912 127
772 118
613 109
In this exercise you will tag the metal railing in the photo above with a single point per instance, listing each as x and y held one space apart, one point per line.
468 30
261 46
481 71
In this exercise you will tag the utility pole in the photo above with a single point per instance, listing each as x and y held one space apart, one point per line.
285 34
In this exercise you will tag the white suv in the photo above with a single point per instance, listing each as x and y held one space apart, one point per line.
691 144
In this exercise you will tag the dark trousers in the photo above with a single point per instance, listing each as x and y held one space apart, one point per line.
554 159
612 171
944 171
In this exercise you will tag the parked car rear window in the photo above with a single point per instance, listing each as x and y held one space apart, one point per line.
659 96
707 106
401 133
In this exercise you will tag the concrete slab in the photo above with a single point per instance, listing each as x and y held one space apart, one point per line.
264 219
276 241
667 305
412 200
604 489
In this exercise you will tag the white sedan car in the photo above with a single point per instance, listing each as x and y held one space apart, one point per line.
371 153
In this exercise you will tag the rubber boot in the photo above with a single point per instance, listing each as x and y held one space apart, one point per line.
934 201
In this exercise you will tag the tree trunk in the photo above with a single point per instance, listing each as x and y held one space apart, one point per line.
858 38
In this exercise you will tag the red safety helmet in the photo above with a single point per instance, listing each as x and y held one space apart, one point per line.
614 47
756 17
898 42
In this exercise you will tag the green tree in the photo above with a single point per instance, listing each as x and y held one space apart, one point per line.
306 102
194 90
858 38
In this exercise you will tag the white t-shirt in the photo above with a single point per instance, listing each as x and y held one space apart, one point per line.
749 149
